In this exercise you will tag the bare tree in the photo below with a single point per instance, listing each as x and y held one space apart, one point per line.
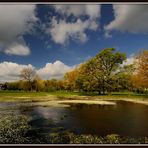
28 74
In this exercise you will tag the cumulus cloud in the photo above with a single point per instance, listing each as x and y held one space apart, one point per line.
131 18
93 11
10 71
62 30
54 70
130 60
17 47
15 21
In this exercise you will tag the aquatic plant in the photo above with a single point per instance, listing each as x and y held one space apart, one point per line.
13 129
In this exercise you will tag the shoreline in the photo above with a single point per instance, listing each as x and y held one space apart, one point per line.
67 98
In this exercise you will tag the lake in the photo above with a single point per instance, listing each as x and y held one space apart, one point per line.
124 118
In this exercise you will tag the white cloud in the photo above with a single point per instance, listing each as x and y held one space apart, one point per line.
10 71
129 60
54 70
62 30
18 47
93 11
15 21
107 34
131 18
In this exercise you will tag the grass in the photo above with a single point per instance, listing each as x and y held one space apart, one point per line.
21 95
63 95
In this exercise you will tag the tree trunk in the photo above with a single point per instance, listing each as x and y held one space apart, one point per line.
99 92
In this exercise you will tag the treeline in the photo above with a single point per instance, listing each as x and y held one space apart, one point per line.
104 73
37 85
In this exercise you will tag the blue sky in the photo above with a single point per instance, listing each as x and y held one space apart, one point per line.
55 38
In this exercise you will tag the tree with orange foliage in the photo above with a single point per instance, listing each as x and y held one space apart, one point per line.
70 79
140 78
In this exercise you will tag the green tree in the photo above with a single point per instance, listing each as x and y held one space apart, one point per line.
13 86
85 81
100 70
123 78
50 85
38 83
61 85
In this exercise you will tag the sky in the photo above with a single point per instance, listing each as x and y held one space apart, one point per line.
53 39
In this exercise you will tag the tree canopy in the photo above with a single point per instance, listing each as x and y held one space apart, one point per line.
98 72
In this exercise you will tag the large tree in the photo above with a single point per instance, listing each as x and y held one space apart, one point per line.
123 78
142 61
101 69
140 78
70 79
85 80
38 84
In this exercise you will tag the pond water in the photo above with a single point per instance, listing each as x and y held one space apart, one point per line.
124 118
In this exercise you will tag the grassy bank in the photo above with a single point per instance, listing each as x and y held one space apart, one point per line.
75 96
